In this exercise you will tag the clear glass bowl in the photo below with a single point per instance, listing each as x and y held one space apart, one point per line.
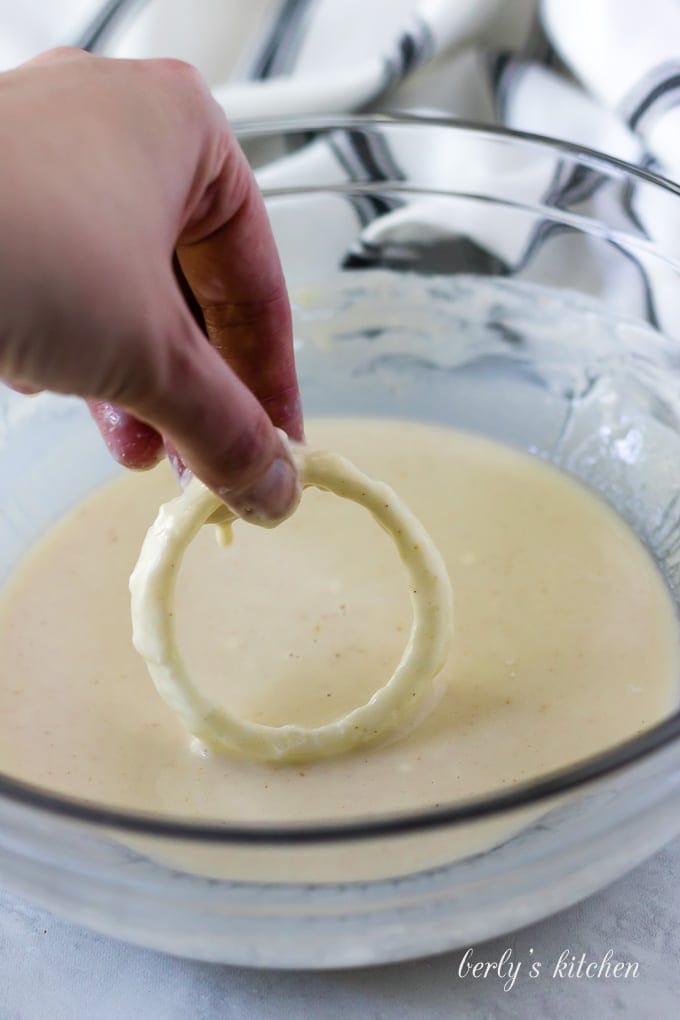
506 284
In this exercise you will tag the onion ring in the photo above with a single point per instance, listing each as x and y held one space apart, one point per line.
152 588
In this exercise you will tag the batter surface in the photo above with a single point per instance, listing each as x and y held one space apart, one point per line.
566 639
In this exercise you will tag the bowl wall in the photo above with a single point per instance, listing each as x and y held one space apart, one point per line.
487 281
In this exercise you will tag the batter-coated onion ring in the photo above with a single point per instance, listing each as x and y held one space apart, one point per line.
152 587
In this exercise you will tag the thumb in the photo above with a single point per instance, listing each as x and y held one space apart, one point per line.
220 430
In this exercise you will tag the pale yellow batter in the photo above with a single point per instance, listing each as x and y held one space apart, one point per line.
566 640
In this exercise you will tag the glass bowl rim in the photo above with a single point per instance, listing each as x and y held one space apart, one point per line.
248 129
521 795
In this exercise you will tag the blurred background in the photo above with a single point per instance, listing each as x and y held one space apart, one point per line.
600 73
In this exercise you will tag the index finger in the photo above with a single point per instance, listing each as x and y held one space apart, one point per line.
228 255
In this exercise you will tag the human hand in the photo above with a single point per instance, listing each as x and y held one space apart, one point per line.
109 168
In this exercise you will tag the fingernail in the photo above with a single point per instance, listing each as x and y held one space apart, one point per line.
271 499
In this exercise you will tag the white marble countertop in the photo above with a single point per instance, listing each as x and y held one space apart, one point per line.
52 969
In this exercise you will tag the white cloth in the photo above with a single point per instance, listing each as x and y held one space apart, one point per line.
617 86
626 53
599 73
